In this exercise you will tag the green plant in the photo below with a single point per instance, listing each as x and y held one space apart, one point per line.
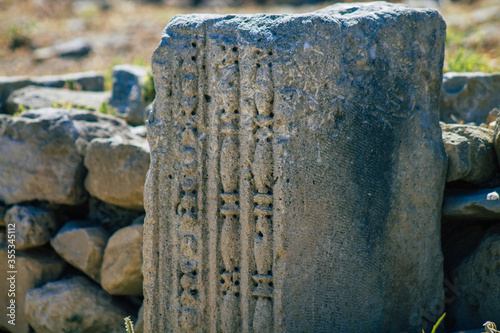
148 89
20 35
436 325
73 85
105 108
466 61
70 105
129 325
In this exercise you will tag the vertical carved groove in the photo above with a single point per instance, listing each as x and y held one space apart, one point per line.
228 93
187 208
262 169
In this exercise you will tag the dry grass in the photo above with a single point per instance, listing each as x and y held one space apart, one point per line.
129 31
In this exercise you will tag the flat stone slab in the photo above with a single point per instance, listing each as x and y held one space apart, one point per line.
34 97
281 195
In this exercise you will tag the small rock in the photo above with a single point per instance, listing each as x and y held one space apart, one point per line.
34 268
73 305
75 48
121 272
478 277
471 154
468 97
82 244
33 97
88 81
471 204
8 84
34 226
41 153
127 93
117 171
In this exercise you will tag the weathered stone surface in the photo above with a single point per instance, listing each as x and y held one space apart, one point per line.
121 272
82 244
127 93
281 194
117 171
73 305
140 131
111 217
139 324
34 97
33 268
468 97
91 80
76 48
34 226
41 153
479 279
7 85
472 204
471 153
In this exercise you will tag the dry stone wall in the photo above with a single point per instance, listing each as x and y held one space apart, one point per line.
257 192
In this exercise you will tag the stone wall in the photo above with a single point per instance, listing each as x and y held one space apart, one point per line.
71 184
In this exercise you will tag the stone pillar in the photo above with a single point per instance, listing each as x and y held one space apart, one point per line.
297 171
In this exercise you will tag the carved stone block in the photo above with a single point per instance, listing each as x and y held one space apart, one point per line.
297 170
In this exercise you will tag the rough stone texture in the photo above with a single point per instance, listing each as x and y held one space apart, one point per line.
75 48
496 138
34 268
41 153
472 204
121 272
91 81
117 171
34 97
282 193
471 153
127 93
34 226
7 85
111 217
479 279
82 244
468 97
139 323
73 305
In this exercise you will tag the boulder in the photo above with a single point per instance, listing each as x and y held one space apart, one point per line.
82 244
73 305
297 172
91 81
34 97
41 153
468 97
471 153
34 268
8 84
472 204
117 171
478 278
127 93
34 226
121 272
